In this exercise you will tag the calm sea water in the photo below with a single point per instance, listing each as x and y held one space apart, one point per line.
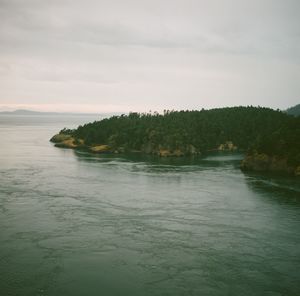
73 223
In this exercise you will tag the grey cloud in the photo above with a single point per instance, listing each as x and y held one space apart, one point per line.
264 27
223 51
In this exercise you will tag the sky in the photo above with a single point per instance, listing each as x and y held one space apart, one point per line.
142 55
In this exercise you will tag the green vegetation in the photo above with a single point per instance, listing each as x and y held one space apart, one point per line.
259 131
283 142
276 151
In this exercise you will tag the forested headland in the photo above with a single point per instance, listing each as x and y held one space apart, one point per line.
270 138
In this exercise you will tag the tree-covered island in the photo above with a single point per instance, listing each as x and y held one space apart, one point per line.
270 139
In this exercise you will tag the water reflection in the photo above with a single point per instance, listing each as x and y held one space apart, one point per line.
142 162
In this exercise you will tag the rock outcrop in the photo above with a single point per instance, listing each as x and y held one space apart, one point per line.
262 162
227 146
59 138
100 148
168 153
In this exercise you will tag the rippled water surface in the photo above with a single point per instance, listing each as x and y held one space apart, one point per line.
73 223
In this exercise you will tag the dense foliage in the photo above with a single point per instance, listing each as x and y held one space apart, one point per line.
253 128
281 142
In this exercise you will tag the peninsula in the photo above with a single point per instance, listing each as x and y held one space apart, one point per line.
270 138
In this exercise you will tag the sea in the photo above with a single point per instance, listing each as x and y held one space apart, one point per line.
79 224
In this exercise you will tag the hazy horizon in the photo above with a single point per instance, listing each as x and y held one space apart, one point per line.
111 56
8 109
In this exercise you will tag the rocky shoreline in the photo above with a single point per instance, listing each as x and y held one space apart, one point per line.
258 162
62 140
261 162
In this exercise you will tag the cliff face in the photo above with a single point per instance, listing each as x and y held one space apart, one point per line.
265 163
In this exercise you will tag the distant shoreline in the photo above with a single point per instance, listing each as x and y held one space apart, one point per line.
33 113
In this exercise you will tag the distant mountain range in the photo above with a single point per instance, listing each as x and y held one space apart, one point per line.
30 112
294 110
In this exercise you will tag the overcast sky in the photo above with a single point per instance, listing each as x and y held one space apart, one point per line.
140 55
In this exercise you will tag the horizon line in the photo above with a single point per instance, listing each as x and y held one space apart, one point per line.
126 112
